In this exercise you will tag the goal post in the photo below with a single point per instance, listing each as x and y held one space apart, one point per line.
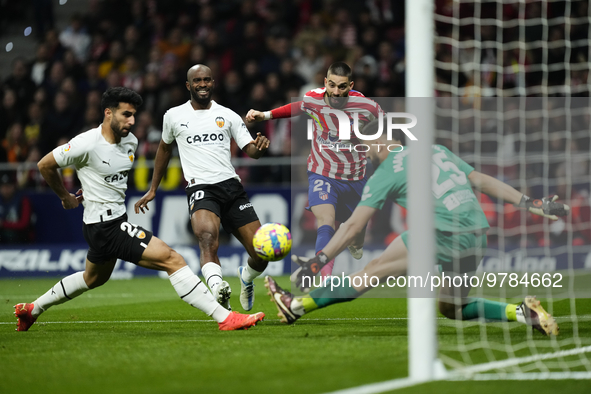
422 341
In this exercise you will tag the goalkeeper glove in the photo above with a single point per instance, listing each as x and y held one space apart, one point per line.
546 207
308 268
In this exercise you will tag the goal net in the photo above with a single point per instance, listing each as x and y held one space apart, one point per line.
512 86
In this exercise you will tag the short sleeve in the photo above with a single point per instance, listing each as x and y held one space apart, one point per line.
462 165
377 190
74 152
167 129
239 131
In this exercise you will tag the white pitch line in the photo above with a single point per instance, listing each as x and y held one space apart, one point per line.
200 321
211 321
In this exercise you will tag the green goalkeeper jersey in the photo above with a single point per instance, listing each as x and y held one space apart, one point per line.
456 208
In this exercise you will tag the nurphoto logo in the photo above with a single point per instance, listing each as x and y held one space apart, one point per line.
341 141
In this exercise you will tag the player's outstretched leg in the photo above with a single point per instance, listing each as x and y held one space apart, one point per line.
238 321
283 301
23 315
537 317
65 290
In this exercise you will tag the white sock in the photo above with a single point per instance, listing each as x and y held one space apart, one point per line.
195 293
519 314
297 306
248 274
212 273
66 289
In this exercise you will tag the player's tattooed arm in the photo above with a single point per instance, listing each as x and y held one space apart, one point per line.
257 147
48 168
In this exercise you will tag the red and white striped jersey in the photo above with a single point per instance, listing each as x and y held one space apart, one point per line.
341 161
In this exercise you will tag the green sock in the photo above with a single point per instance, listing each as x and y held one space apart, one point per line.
328 295
490 310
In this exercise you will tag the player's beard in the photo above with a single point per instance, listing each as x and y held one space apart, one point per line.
117 130
202 101
338 101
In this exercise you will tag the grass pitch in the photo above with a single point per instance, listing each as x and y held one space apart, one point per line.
137 336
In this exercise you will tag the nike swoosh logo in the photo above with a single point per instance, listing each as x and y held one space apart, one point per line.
285 309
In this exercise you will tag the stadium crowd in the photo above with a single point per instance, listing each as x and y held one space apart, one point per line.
262 53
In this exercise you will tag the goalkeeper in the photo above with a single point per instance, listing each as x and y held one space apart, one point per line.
460 238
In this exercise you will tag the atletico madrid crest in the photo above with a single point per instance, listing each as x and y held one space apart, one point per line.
220 121
323 196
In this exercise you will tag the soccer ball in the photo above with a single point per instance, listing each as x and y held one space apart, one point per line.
272 241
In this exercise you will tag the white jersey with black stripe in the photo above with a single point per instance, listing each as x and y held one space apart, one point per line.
204 137
102 169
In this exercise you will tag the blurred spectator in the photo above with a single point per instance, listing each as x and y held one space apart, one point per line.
30 177
151 93
15 145
69 88
91 80
76 38
92 118
176 44
232 93
20 82
310 63
279 49
40 65
16 213
113 79
132 77
35 118
134 45
154 60
288 77
55 48
72 66
52 84
318 82
274 88
62 122
9 111
115 61
314 32
99 47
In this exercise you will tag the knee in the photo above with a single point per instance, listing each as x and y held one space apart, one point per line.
94 281
324 218
174 261
207 238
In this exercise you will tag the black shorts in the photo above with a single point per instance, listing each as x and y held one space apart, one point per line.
116 238
227 199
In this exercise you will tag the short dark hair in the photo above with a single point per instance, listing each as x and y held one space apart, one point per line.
372 127
341 69
113 96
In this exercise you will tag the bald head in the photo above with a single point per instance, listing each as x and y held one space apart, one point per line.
198 69
200 84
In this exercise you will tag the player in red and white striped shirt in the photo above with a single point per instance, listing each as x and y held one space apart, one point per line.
336 171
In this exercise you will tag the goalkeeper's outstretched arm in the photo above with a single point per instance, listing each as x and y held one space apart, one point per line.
546 207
